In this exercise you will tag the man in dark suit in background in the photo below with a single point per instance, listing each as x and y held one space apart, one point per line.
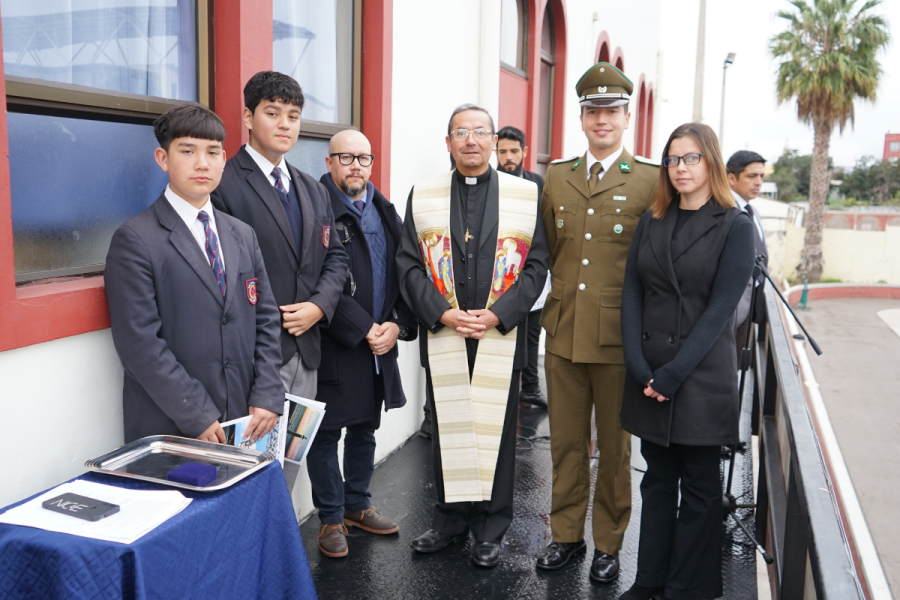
193 318
291 213
511 152
746 171
359 371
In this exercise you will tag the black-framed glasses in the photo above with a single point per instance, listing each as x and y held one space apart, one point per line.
346 159
689 159
461 134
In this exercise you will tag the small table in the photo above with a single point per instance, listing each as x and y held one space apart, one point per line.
241 543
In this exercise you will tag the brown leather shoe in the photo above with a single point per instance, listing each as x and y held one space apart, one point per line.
370 520
333 540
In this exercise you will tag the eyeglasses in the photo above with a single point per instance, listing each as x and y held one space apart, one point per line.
364 160
461 134
689 159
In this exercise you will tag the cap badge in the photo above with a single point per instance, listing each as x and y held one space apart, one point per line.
618 228
601 89
625 167
602 69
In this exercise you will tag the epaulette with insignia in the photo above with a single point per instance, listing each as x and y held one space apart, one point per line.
564 160
647 161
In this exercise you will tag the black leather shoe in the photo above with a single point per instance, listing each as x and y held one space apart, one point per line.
558 553
605 567
433 541
535 399
485 554
640 592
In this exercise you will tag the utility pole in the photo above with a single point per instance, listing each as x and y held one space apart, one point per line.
698 77
728 62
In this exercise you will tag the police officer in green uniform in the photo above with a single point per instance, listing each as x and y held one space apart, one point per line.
591 205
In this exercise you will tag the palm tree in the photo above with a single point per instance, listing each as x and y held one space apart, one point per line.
827 60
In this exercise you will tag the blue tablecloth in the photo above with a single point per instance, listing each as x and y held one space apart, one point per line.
241 543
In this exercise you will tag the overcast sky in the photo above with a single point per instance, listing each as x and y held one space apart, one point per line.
753 119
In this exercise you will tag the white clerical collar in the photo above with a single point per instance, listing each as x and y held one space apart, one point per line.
606 162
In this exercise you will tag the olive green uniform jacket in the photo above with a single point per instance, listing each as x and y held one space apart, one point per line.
589 236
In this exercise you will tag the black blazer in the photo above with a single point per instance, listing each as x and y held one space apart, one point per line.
512 308
314 273
348 384
664 309
190 357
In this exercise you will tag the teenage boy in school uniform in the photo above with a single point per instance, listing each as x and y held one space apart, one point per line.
193 317
292 215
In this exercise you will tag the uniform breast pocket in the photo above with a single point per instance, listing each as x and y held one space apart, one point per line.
564 221
617 222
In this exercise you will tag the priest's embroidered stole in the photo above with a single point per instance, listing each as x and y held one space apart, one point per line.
470 415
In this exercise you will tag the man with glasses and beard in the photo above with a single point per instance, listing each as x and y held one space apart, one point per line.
471 263
359 371
511 153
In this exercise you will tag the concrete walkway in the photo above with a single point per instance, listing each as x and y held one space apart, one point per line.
859 378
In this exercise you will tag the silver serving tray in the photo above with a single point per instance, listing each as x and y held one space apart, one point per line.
150 458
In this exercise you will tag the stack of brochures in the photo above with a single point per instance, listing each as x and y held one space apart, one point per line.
293 433
140 512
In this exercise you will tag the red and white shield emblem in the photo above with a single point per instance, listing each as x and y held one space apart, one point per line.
326 235
251 291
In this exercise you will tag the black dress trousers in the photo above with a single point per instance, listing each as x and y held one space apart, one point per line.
530 382
488 520
681 545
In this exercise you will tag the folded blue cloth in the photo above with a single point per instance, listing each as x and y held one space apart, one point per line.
192 474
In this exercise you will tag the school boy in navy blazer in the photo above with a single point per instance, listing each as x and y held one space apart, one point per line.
292 215
193 317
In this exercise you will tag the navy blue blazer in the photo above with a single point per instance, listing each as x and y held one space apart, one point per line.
191 357
314 273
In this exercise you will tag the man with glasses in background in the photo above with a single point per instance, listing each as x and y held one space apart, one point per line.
471 263
511 154
591 206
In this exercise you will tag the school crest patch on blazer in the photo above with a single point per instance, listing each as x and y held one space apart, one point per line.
251 291
326 235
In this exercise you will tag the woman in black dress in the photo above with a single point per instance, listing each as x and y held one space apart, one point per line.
688 264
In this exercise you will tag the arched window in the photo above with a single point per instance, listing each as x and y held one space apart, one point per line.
603 55
618 60
514 34
547 79
638 102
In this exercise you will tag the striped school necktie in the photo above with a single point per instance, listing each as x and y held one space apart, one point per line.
212 251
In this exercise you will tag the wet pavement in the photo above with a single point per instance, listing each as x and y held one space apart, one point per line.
403 488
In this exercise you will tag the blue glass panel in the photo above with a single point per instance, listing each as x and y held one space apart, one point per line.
146 47
73 182
308 155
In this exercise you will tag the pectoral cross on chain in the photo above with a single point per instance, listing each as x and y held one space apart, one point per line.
468 237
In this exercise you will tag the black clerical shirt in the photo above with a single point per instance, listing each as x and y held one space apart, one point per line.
472 199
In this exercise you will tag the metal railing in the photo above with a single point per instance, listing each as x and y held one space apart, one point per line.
797 516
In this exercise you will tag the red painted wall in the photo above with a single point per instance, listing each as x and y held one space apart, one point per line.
377 77
514 102
888 138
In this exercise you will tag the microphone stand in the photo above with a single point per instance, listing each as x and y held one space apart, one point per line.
729 502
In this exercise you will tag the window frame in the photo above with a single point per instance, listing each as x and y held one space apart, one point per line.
521 41
41 96
323 130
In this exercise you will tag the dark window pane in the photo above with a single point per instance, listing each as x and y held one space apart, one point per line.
545 108
73 182
312 41
146 47
548 36
308 155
